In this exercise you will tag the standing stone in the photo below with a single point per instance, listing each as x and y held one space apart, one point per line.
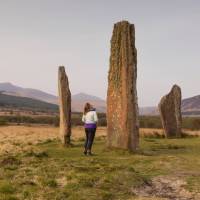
122 106
64 106
170 112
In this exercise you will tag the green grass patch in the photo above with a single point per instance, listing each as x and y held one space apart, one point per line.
65 173
6 188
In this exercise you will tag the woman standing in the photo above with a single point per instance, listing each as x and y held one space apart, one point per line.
90 119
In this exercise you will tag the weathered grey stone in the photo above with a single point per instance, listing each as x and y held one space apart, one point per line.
170 112
122 105
64 106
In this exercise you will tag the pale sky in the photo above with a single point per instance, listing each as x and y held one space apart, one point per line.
36 36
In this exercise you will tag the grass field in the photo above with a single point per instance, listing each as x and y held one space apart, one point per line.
34 165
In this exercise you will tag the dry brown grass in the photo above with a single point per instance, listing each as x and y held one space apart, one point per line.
20 138
159 132
151 132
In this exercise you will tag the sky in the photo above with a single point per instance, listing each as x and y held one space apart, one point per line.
37 36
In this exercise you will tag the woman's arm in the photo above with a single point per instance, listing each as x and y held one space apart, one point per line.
95 117
83 118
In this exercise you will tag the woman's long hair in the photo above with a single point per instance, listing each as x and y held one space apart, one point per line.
87 108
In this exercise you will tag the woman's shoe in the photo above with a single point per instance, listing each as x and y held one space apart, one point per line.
85 153
89 154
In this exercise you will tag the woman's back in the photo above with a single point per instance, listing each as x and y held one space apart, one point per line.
90 123
90 117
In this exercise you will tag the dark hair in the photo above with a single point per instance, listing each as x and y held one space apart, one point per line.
87 108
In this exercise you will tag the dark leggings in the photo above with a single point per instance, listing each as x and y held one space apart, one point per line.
90 134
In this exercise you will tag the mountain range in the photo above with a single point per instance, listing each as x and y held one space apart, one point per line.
190 106
78 100
10 89
14 103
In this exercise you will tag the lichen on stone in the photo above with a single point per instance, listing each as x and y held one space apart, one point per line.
123 126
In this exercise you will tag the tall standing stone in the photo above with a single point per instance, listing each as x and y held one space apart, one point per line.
170 112
122 105
64 106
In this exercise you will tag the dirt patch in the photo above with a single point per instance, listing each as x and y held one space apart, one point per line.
168 188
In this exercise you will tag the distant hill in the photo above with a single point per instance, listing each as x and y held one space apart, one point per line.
16 102
78 100
148 111
11 89
191 106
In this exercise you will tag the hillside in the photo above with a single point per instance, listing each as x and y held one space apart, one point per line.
191 105
10 89
78 100
16 102
148 111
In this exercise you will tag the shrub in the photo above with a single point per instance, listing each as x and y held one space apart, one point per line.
3 121
150 122
196 124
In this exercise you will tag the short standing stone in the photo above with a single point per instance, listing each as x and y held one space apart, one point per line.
170 112
122 105
64 106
